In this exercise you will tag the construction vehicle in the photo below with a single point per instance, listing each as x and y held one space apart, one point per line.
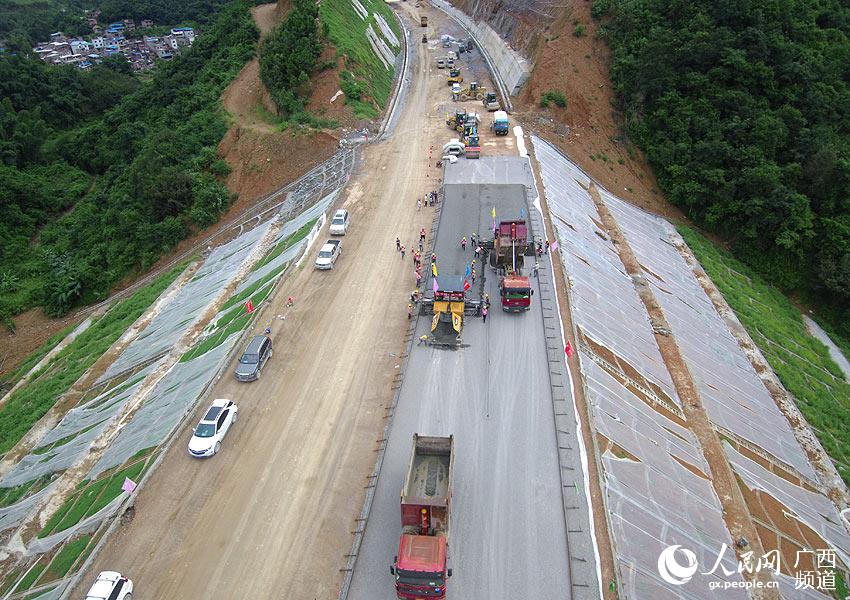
473 92
450 62
421 565
448 307
491 102
472 147
423 21
457 120
453 147
454 75
509 247
500 124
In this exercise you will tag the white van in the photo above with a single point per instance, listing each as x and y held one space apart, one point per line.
340 222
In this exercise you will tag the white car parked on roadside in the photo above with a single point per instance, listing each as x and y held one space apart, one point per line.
207 436
111 585
340 222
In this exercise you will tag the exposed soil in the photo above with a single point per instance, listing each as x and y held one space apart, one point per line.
589 125
324 101
32 329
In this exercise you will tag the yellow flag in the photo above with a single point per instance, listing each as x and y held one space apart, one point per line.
494 212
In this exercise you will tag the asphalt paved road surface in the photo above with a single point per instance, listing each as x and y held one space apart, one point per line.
508 536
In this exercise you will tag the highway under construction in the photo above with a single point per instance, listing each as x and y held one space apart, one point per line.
493 393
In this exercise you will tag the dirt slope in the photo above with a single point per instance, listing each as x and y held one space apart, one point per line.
589 129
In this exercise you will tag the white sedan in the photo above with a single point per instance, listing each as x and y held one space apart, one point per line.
207 436
111 585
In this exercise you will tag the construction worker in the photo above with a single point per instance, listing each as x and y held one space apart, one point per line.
422 235
463 243
397 245
409 311
419 204
472 238
290 301
423 339
536 268
402 252
547 246
414 296
487 300
418 278
484 313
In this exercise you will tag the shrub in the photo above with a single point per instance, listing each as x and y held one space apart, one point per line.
553 97
579 30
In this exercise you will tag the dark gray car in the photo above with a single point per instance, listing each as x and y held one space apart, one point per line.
254 358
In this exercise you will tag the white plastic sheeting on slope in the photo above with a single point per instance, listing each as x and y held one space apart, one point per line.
170 324
603 299
731 391
85 422
659 499
289 254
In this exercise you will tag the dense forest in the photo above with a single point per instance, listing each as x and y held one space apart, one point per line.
101 174
743 110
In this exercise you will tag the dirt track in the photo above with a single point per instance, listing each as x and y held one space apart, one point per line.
271 515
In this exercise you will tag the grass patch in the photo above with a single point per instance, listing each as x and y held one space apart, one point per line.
347 32
217 338
92 497
253 291
553 97
287 243
9 496
67 557
800 361
32 401
30 578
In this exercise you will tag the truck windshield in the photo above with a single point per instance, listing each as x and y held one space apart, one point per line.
325 254
516 294
420 578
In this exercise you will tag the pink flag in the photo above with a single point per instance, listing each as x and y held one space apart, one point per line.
568 348
129 485
435 285
554 245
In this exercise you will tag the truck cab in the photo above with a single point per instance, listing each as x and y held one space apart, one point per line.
515 293
501 125
420 567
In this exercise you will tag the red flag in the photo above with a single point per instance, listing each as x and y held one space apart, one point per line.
249 306
465 285
568 349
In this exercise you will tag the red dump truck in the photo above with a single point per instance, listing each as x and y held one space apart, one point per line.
420 568
509 245
515 293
